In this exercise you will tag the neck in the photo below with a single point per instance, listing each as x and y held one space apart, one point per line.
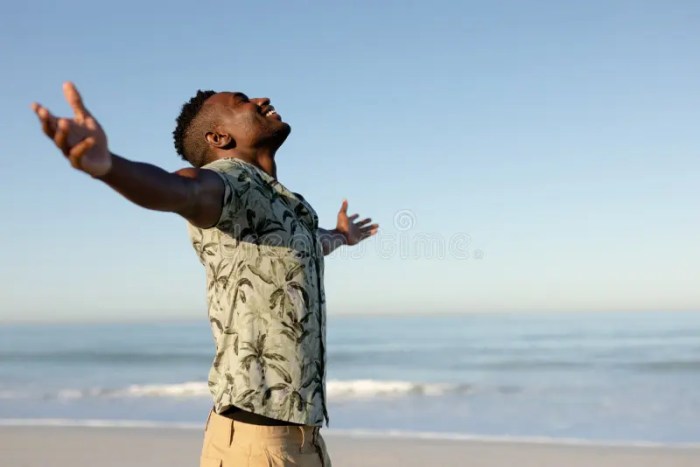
262 158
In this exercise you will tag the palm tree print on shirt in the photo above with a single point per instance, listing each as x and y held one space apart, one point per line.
264 270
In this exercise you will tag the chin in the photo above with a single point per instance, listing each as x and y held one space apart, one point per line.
285 129
280 134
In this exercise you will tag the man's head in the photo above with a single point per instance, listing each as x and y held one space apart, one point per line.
214 125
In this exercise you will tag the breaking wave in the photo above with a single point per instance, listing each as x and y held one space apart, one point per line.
336 389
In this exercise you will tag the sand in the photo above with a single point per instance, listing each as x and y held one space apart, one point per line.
145 447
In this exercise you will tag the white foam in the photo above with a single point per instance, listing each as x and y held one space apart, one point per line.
447 436
336 389
69 394
354 433
187 389
12 395
92 423
368 388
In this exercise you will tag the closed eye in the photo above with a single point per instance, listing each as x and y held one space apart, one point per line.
240 97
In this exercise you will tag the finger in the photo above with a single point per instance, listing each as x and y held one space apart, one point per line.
344 207
369 233
75 100
370 228
48 121
363 222
79 150
61 136
353 217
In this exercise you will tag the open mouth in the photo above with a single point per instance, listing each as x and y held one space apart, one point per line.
270 112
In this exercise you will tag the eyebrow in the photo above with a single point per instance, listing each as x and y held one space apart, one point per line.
239 96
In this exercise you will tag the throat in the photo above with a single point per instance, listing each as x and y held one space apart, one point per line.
268 165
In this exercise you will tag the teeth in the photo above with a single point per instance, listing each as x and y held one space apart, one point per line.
271 112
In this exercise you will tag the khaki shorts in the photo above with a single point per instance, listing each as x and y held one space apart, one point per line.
229 443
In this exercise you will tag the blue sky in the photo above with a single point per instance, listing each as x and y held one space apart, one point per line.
560 138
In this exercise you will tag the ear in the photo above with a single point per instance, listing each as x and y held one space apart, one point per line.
219 140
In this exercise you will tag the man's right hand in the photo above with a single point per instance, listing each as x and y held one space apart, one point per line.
81 138
197 195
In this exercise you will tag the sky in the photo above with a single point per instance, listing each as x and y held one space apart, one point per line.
519 156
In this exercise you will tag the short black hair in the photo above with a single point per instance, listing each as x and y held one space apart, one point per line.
191 148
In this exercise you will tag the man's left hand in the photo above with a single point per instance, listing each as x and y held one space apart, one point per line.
354 231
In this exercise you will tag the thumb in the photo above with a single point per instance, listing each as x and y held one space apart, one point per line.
75 100
344 207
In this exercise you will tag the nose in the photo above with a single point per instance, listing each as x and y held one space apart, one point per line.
263 101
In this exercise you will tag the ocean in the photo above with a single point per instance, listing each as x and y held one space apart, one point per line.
612 378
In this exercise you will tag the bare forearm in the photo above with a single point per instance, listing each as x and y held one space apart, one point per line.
331 240
195 194
149 186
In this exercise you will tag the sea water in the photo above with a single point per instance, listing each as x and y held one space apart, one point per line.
592 377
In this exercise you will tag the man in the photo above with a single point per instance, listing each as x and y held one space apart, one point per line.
263 253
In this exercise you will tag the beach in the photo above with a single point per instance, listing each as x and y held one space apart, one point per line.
558 390
26 446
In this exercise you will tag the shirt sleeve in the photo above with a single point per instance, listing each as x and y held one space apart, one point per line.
221 169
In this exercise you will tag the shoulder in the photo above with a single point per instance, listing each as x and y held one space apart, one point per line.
206 180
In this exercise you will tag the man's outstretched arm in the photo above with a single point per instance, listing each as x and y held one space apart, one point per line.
348 231
195 194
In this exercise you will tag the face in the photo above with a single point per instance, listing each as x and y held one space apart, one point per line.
250 122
